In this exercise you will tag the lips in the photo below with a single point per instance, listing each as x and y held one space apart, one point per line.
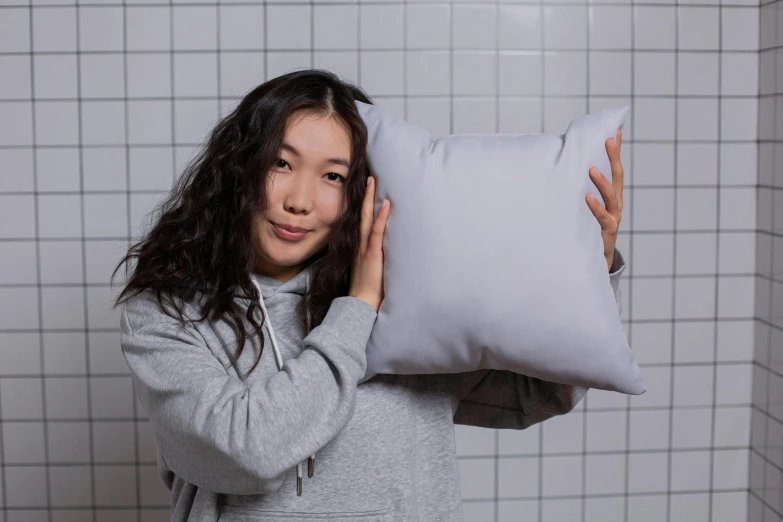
293 230
288 232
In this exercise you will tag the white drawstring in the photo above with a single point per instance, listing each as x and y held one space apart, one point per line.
279 361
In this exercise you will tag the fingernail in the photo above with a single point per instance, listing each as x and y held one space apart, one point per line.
369 178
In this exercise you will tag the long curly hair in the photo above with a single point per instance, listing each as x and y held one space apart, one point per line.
200 242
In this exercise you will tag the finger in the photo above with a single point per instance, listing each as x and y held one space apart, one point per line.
607 191
378 228
603 216
616 164
368 205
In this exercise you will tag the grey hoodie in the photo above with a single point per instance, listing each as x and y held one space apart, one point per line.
229 443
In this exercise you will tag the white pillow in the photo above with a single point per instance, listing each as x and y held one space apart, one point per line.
493 258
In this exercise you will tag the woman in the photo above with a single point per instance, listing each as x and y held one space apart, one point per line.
276 215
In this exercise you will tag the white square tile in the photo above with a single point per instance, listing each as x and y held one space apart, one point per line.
610 73
100 28
732 426
564 433
653 209
195 28
691 428
654 118
68 442
27 486
518 477
474 115
475 27
62 307
697 119
151 168
697 208
434 114
20 353
335 27
693 507
653 163
141 206
557 510
477 511
241 27
565 27
381 26
193 120
473 441
605 474
562 475
520 73
23 443
477 478
565 73
699 28
61 262
17 216
653 254
515 510
739 73
288 27
105 215
428 73
15 82
66 398
737 208
734 340
195 74
106 495
113 442
605 509
658 388
520 115
149 122
694 341
102 76
610 27
741 29
102 257
647 472
17 263
738 163
58 169
103 123
54 29
606 430
766 64
104 168
730 506
55 76
149 75
649 430
693 385
738 119
651 343
428 26
59 216
240 72
652 299
654 74
690 470
148 28
111 397
697 163
740 304
15 30
696 253
519 442
655 26
100 313
697 74
519 26
695 297
474 73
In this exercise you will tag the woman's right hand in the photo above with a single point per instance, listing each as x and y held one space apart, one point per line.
367 270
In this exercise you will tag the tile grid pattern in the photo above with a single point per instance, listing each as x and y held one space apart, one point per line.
433 63
766 458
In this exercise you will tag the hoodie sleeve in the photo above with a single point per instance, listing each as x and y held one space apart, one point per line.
229 436
508 400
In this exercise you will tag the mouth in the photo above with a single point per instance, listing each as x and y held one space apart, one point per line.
288 232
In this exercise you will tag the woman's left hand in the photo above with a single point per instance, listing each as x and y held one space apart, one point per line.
609 217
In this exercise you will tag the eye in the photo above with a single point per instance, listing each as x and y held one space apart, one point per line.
278 163
340 177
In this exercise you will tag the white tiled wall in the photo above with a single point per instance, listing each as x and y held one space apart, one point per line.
102 103
766 458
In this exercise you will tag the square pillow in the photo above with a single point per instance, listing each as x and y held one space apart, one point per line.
492 258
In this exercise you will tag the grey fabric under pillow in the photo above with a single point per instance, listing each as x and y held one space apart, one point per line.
493 258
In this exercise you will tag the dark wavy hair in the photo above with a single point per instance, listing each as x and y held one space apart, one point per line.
200 243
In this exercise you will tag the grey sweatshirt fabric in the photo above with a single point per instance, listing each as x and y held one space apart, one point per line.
228 442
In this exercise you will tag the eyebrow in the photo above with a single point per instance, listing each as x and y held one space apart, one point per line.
336 161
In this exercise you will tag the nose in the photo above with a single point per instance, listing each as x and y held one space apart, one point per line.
299 196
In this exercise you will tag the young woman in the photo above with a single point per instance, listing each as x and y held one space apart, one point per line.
275 218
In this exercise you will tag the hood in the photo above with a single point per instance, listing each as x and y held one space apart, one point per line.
269 287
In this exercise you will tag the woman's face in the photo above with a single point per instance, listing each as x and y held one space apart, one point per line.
305 191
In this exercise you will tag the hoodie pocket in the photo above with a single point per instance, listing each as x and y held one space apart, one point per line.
246 514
